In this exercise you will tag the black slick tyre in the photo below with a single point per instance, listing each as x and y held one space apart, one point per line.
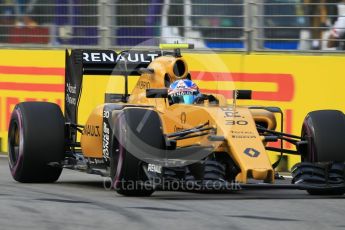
36 142
127 171
324 130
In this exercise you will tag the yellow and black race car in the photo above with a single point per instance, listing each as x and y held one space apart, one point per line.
166 132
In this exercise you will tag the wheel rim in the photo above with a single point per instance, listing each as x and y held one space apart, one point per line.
309 155
118 175
14 143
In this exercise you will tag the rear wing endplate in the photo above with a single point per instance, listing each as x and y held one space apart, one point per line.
81 62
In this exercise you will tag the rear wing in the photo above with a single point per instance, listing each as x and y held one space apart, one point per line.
81 62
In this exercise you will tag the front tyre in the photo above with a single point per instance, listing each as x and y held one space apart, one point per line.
36 142
325 131
323 158
128 175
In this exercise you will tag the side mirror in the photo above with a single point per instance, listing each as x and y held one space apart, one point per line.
157 93
242 94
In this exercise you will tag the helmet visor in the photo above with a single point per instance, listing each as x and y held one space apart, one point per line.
183 99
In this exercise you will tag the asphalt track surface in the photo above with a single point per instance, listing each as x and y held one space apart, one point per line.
79 201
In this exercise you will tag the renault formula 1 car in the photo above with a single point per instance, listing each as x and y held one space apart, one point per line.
143 140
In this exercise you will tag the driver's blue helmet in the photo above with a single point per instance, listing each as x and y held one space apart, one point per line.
183 91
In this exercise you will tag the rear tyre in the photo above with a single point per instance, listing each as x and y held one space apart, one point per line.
36 142
324 156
